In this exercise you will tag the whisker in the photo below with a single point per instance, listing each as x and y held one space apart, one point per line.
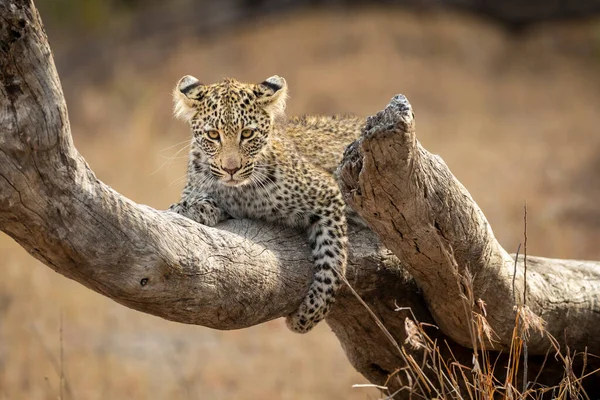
174 158
178 180
170 159
260 180
176 144
201 186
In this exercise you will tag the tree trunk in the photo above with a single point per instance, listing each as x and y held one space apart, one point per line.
245 272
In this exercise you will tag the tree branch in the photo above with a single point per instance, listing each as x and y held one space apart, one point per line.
237 275
429 220
246 272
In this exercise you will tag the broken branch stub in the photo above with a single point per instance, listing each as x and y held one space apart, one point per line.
423 214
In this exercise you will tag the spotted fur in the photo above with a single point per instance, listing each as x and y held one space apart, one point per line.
247 163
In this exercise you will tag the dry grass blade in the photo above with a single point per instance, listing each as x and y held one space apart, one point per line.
529 320
369 385
484 330
385 331
57 365
413 335
526 323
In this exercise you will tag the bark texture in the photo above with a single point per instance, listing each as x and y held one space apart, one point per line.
425 216
245 272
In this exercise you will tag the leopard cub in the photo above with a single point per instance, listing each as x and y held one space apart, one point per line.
248 162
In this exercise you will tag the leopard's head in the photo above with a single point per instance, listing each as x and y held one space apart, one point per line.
231 122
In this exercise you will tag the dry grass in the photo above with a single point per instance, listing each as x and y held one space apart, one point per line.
489 375
440 377
513 118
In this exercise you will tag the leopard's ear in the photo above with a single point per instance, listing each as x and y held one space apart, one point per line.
272 94
188 91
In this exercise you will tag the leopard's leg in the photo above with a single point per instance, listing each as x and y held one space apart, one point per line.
327 236
200 208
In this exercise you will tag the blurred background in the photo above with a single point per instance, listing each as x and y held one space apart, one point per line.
507 93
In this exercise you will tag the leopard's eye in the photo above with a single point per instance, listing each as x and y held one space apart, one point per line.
248 133
213 134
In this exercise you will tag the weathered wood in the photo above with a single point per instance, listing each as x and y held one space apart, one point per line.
237 275
425 216
242 272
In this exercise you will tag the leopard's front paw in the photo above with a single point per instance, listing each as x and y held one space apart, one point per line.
179 208
197 212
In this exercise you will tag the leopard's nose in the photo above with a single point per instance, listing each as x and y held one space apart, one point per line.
231 171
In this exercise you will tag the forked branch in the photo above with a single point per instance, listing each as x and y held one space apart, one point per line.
429 220
244 273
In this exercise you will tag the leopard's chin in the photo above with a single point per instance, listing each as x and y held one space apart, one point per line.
232 182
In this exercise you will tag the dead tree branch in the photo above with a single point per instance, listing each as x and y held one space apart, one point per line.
244 273
428 219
